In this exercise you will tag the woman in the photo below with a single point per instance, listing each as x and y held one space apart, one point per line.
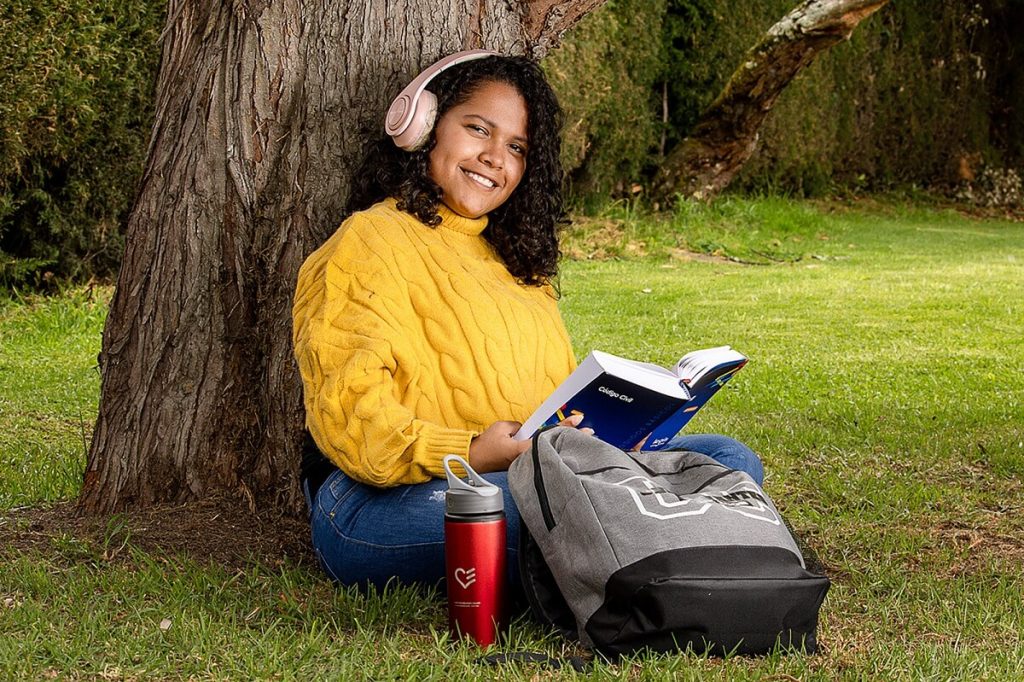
427 324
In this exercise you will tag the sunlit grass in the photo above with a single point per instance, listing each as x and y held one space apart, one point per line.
884 393
49 388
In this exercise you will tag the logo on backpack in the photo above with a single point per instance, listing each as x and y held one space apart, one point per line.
653 500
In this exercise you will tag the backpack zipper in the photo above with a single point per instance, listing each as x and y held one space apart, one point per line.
538 484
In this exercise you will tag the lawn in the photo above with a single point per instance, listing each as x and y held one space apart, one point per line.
885 393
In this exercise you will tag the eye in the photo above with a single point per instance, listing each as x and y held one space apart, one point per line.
517 149
478 129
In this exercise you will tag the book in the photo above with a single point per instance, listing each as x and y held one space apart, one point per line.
628 402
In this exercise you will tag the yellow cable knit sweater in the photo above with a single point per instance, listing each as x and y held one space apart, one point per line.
412 340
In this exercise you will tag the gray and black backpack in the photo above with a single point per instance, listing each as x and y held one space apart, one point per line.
662 551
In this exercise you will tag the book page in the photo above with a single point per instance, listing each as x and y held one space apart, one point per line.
698 368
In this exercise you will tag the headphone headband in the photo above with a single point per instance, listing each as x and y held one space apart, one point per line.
399 123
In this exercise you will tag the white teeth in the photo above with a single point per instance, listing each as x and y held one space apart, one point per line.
481 179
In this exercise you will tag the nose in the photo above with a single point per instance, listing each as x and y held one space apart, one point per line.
493 155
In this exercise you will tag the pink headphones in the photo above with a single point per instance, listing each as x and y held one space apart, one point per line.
411 116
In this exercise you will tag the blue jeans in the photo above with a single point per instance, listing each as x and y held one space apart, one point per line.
364 535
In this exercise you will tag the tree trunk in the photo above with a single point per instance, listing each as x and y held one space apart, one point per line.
704 163
262 112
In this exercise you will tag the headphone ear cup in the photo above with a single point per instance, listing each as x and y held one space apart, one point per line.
414 134
418 131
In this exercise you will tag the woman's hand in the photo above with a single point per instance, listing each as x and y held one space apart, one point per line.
495 449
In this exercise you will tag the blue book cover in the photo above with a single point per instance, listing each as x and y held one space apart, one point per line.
669 428
626 402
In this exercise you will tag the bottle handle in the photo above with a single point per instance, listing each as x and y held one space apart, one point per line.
477 483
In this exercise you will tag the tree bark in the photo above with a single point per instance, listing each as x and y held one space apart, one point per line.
262 112
704 163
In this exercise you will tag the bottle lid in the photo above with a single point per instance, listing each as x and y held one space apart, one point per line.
474 495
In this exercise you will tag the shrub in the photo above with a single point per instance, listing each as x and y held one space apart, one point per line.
994 187
896 105
921 86
78 79
605 77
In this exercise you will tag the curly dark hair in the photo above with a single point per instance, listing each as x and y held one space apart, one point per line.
523 230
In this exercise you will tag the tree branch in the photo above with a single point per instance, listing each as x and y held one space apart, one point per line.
546 20
724 138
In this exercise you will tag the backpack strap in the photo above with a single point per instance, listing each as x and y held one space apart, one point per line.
542 594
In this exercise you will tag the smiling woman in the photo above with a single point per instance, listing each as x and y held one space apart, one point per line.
480 154
427 324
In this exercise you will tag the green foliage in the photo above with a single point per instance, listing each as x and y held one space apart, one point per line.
908 100
699 59
77 81
885 393
925 93
605 78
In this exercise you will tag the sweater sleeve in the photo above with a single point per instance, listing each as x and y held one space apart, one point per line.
356 361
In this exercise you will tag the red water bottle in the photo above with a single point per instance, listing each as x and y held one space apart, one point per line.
474 553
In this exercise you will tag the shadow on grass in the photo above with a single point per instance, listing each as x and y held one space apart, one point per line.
221 530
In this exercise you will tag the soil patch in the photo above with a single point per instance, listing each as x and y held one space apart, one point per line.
685 255
221 530
600 239
979 544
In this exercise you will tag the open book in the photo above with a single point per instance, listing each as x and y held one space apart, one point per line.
627 402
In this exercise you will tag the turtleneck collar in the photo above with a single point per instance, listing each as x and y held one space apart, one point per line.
451 220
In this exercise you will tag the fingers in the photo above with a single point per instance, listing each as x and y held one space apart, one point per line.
572 421
522 446
495 448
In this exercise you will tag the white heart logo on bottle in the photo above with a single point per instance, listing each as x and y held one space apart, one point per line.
465 576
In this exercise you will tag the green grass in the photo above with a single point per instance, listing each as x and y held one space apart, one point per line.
884 393
49 388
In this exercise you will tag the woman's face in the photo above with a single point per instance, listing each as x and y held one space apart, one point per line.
480 154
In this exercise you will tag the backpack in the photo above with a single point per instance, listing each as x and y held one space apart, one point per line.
662 551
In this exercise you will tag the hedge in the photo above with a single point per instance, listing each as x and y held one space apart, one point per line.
78 79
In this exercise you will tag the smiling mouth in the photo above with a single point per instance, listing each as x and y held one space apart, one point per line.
486 183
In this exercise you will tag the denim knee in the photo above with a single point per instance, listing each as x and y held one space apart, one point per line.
724 450
736 455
